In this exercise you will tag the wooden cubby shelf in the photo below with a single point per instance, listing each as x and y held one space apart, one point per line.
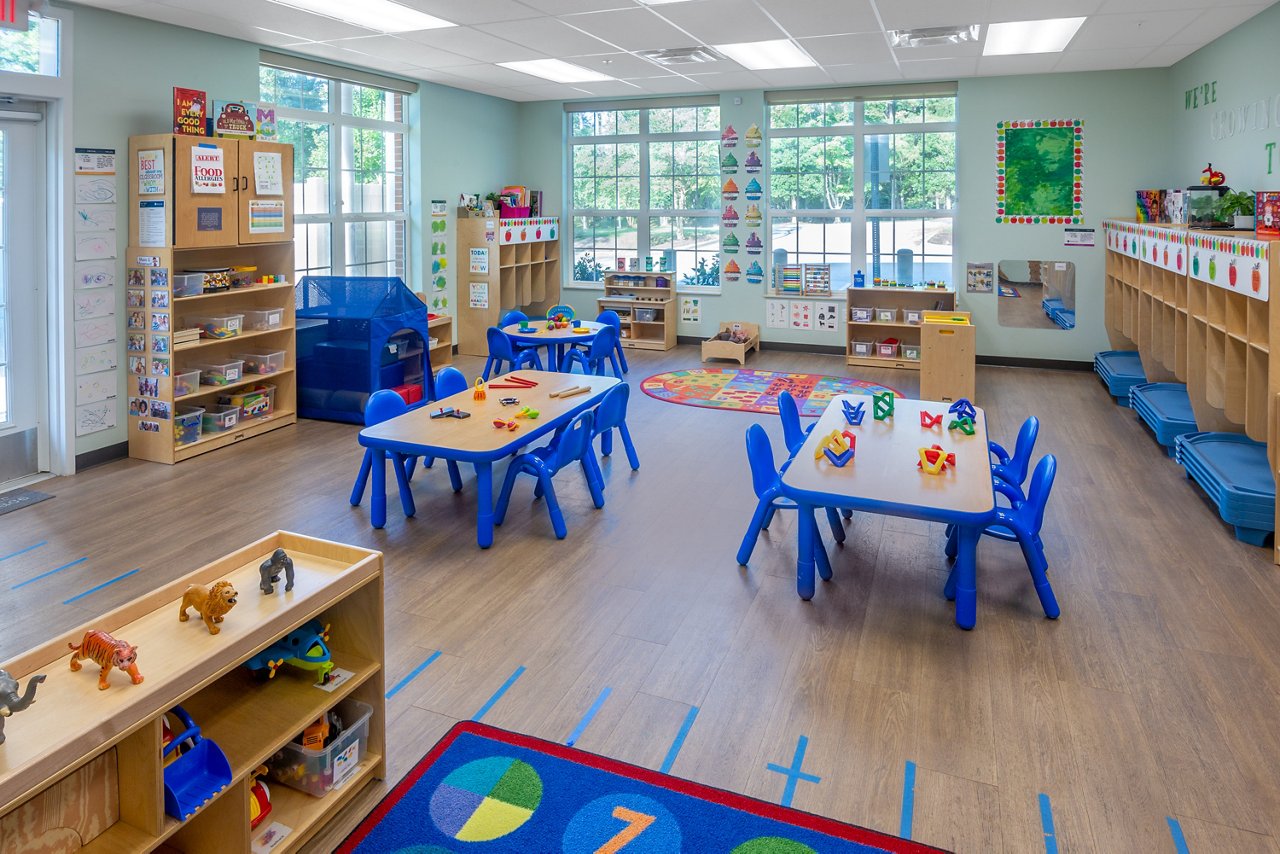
103 748
624 294
1196 307
523 260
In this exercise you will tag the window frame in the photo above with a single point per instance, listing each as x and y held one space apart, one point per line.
337 218
645 212
861 217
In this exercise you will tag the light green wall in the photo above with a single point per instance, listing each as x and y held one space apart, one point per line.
461 141
1245 67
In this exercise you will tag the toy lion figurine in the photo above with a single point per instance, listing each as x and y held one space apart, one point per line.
211 603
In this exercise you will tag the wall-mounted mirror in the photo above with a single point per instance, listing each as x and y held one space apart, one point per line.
1036 294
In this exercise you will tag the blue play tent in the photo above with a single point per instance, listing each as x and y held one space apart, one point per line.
356 335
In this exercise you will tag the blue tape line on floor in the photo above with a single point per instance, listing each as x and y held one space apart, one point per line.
24 551
413 674
511 680
793 774
1046 823
586 719
679 740
908 800
49 573
1175 830
101 586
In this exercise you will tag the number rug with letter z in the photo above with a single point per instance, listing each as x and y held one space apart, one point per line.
499 791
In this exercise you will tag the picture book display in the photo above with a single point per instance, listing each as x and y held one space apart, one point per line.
234 119
189 111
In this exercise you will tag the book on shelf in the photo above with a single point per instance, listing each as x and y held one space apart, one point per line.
189 111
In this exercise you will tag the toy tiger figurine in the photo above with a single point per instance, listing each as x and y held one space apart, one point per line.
107 652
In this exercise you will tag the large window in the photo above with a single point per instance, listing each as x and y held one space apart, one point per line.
31 51
646 183
350 206
865 185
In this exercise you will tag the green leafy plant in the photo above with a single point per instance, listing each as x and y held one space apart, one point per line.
1234 204
587 269
703 273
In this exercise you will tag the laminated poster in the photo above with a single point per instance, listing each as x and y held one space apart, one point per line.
268 173
266 217
95 161
480 260
208 170
828 316
479 294
151 223
691 309
776 314
801 314
151 172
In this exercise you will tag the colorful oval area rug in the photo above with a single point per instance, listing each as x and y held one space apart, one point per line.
754 391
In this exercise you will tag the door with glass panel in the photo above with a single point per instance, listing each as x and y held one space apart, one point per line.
23 372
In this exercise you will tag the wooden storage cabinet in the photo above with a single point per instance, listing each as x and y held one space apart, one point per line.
441 354
906 304
948 353
192 245
58 751
647 311
523 259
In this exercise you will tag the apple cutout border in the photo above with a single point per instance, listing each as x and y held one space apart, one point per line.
1077 212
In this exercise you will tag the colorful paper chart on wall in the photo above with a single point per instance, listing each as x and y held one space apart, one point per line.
266 217
268 173
690 309
1040 171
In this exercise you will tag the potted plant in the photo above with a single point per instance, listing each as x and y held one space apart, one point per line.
1237 207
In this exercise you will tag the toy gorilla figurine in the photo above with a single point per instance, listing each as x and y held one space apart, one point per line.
271 568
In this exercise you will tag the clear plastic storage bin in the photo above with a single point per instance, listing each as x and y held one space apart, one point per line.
256 402
911 352
220 418
860 314
646 315
217 326
863 348
262 362
188 284
221 373
913 315
187 382
186 424
261 321
316 772
887 349
886 315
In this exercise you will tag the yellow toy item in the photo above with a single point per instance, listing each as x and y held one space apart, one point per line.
479 393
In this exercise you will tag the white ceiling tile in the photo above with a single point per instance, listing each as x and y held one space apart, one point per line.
1039 10
1115 7
474 11
1101 60
549 35
263 14
419 55
848 49
1214 23
907 14
1166 55
721 21
670 85
864 72
632 29
1031 63
470 42
614 88
802 18
621 65
554 91
795 77
727 81
571 7
941 51
940 69
1141 29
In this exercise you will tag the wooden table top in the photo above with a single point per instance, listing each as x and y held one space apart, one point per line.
539 333
476 436
883 474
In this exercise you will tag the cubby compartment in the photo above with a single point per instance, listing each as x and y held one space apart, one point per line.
524 253
1256 393
1236 379
1216 311
507 255
1237 315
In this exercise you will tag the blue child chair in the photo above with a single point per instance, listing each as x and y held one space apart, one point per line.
512 317
1013 468
610 415
765 482
382 405
794 434
449 381
598 355
609 317
501 350
569 446
1021 524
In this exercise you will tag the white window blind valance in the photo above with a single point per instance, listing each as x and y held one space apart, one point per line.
316 68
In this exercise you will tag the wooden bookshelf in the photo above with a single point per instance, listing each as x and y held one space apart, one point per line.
906 304
54 750
441 352
633 300
523 260
192 242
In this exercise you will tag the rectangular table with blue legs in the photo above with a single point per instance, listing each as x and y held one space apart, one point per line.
883 478
475 440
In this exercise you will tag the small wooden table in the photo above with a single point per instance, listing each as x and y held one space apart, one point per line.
475 440
883 478
555 340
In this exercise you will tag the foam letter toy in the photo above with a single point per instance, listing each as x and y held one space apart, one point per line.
479 393
962 409
929 420
882 405
854 414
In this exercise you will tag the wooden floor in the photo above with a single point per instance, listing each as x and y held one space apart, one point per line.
1156 695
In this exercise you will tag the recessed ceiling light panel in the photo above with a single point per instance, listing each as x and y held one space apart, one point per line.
1017 37
556 70
933 36
760 56
382 16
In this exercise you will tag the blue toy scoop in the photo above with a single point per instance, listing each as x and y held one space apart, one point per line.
194 777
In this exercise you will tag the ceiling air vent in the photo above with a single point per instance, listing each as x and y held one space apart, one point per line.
682 55
933 36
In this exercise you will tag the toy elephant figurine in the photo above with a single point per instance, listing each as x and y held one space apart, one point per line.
10 702
271 568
